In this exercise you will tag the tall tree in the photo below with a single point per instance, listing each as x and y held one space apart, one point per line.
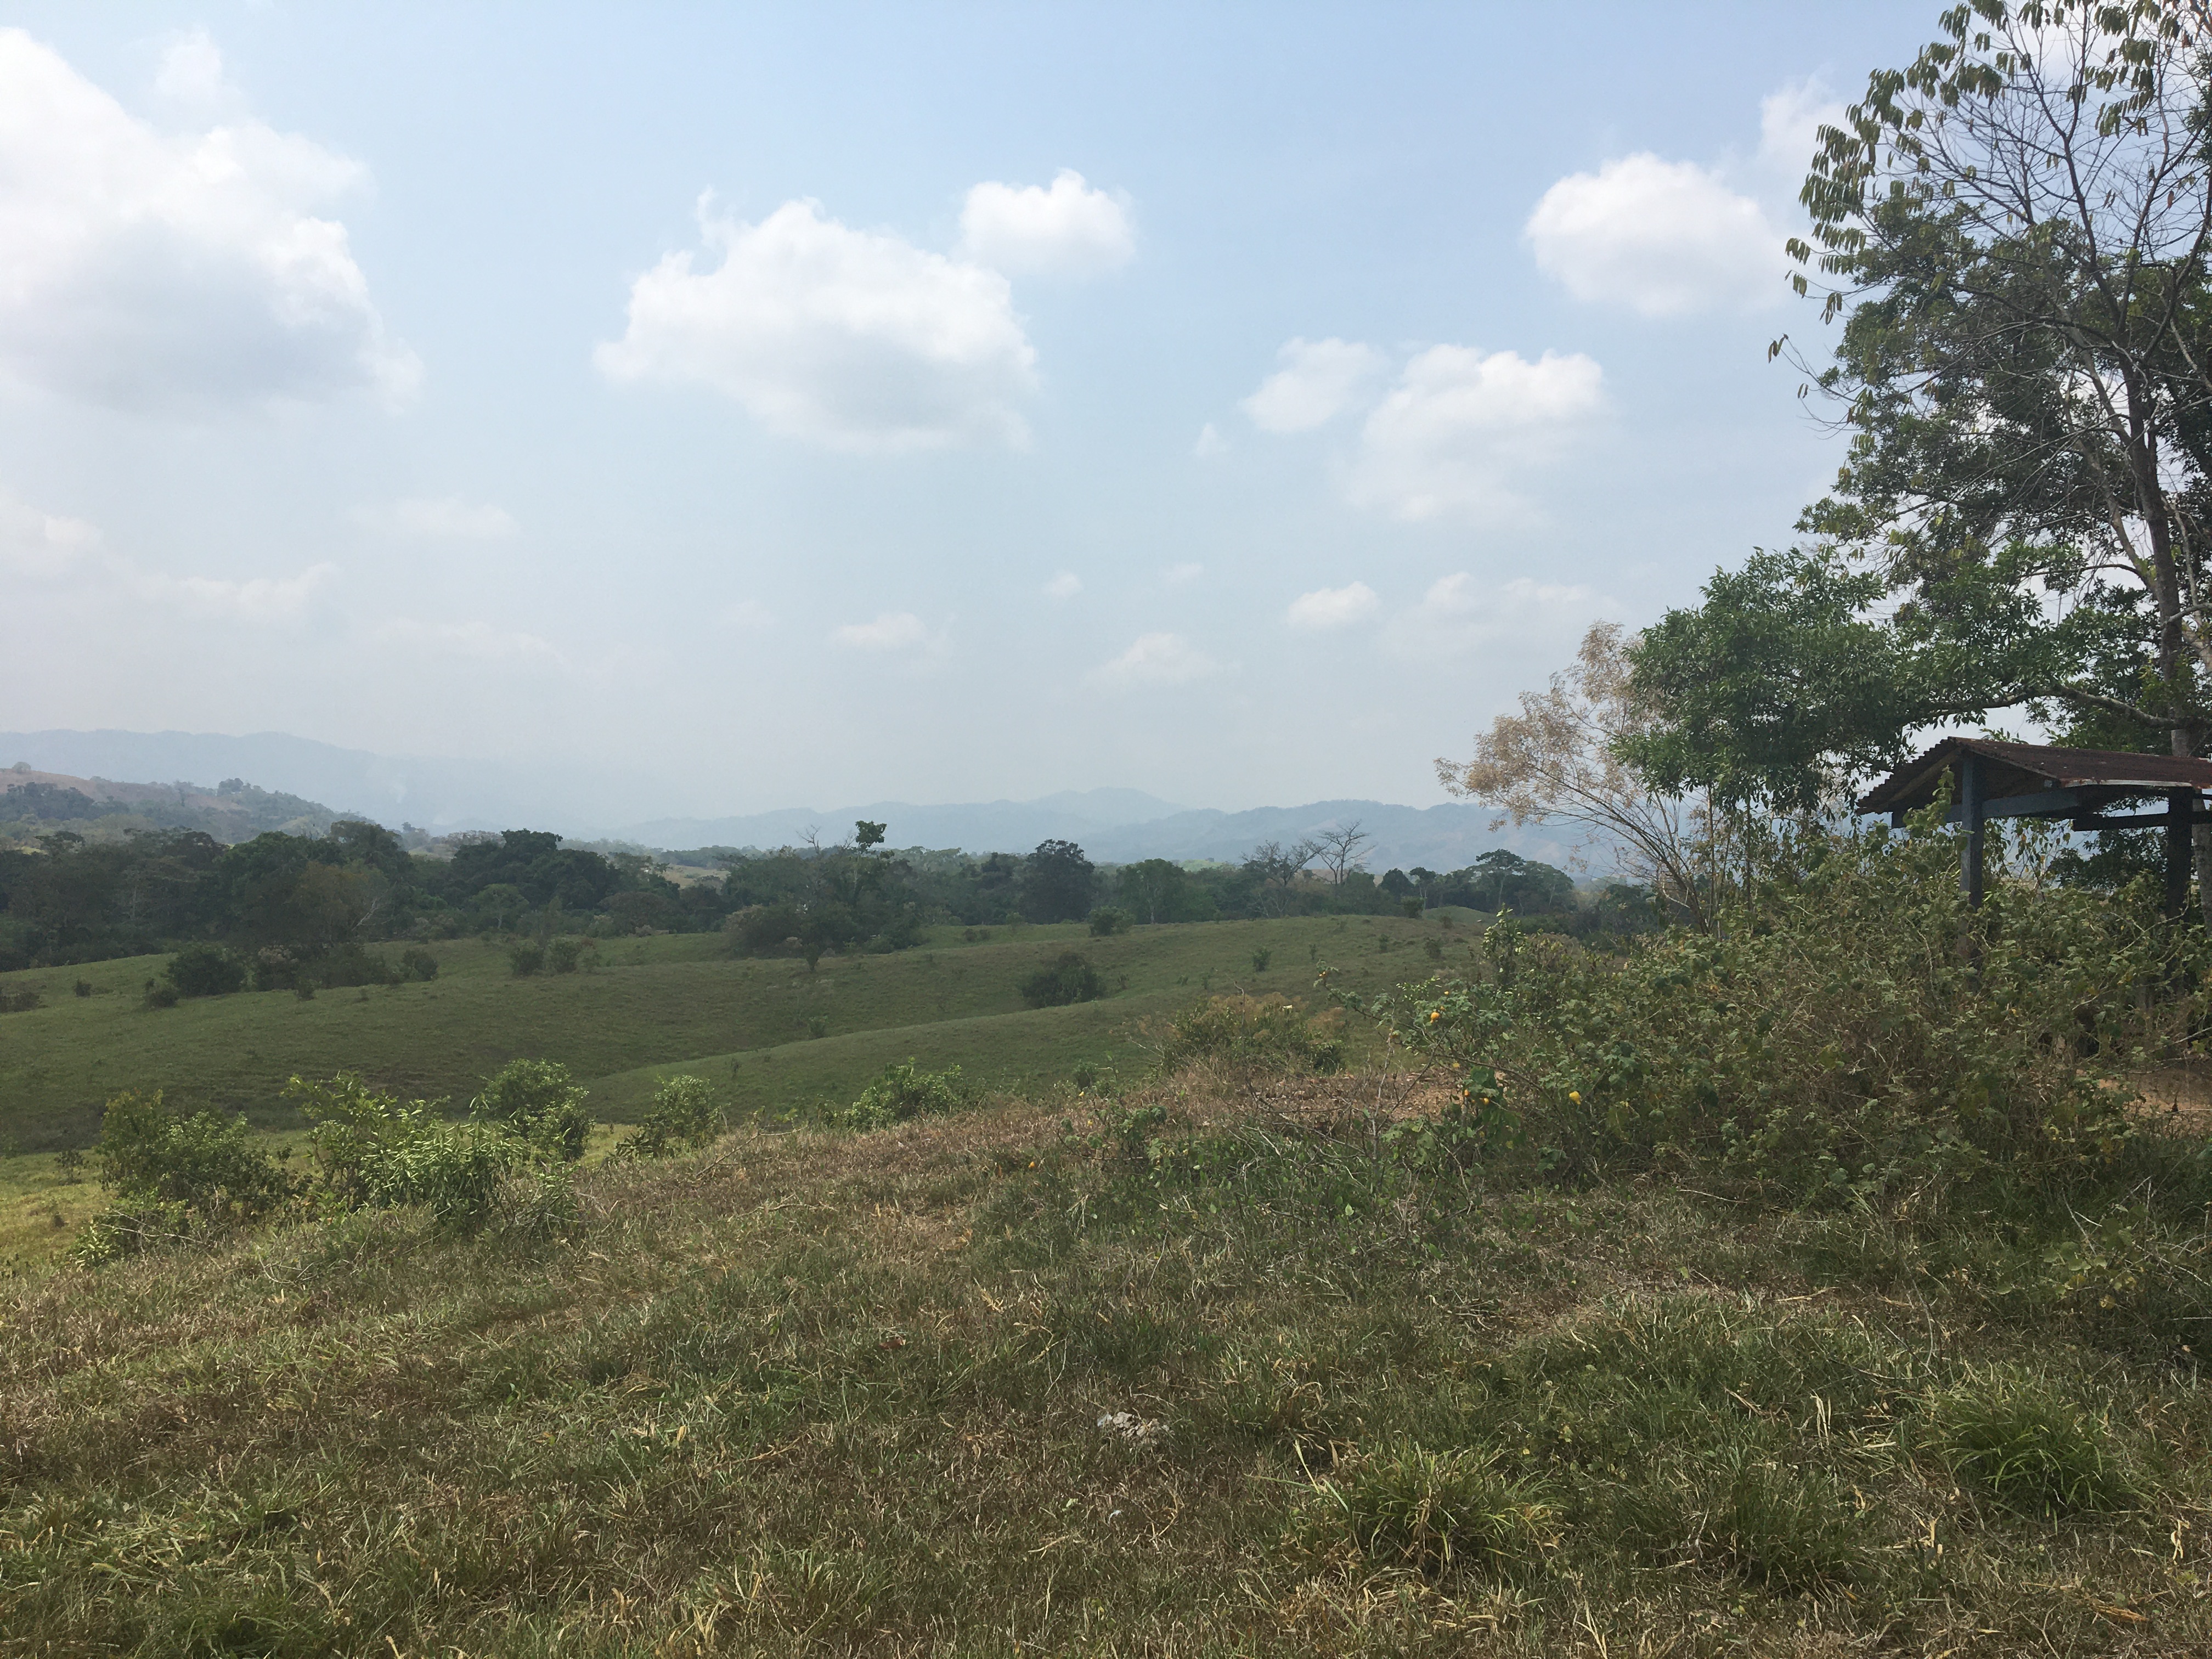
2015 231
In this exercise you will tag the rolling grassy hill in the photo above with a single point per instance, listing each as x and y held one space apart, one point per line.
658 1004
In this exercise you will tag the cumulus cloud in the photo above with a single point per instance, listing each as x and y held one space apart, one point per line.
447 518
854 339
1666 238
1459 429
1065 586
1661 238
1319 380
1068 229
1210 443
1326 608
1157 659
894 631
153 271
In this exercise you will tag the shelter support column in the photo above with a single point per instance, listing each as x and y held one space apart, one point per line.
1971 820
2180 844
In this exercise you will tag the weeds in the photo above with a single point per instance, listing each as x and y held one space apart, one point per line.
2028 1448
1434 1512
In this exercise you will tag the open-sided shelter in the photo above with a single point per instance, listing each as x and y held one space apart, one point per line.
1991 779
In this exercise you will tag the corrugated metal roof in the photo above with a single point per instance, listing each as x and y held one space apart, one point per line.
2027 768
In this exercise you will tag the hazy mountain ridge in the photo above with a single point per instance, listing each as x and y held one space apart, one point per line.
34 802
1113 825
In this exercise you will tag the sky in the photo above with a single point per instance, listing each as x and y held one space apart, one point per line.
786 405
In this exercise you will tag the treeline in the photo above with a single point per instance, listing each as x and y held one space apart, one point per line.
290 908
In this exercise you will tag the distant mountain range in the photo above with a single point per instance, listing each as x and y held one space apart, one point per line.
1113 826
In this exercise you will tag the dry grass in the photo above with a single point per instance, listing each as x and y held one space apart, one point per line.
816 1393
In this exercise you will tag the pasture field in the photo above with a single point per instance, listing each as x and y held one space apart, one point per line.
1201 1371
660 1003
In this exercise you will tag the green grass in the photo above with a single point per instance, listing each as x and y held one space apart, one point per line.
673 1001
1018 1381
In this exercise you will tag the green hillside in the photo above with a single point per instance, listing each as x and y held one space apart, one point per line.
658 1003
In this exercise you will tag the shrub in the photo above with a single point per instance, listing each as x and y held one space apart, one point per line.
565 954
1855 1029
1434 1511
352 963
525 958
1108 921
684 1113
536 1100
370 1149
1067 978
83 988
22 999
415 963
205 971
158 995
2028 1448
176 1175
1255 1034
903 1093
1261 958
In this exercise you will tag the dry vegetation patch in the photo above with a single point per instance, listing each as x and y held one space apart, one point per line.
1211 1367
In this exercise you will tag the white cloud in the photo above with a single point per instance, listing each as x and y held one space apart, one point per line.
477 639
1065 586
145 270
1067 230
1458 614
191 73
894 631
255 599
1661 238
447 517
1326 608
1176 574
850 338
42 544
1789 121
1158 660
1210 443
1319 380
67 555
1459 431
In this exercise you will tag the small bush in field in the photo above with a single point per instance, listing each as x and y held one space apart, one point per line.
903 1093
415 963
374 1151
526 957
685 1113
1067 978
205 971
536 1100
571 951
1254 1033
1108 921
158 995
175 1176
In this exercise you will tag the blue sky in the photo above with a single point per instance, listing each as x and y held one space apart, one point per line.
820 403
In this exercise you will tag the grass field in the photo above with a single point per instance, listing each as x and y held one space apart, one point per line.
1023 1381
656 1003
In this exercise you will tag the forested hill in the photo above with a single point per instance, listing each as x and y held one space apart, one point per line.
34 804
